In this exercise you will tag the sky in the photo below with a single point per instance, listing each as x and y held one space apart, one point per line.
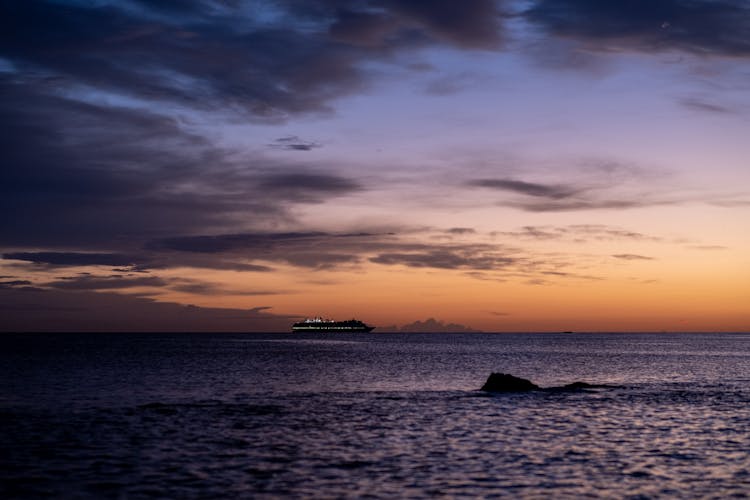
229 165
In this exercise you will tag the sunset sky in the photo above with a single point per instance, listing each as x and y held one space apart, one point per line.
539 165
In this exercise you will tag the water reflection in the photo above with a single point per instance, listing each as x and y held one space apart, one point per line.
389 416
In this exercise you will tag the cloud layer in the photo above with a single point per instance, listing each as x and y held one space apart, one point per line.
86 311
97 151
144 137
704 27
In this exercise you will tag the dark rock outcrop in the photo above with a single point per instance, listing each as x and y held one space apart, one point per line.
580 386
503 382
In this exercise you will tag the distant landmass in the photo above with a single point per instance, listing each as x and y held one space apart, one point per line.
430 325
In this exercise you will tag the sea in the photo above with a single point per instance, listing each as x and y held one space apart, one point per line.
373 416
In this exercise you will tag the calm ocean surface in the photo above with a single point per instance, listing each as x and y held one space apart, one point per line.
379 415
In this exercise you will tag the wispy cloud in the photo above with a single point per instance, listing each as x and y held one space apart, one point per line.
467 251
74 258
460 230
126 282
705 106
631 256
574 205
317 250
202 287
305 186
247 241
579 233
15 283
527 188
87 282
731 203
447 259
432 325
335 251
707 247
599 186
294 143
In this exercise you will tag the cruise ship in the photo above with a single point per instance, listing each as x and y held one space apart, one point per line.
321 325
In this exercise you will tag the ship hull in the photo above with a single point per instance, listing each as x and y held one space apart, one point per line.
332 329
319 325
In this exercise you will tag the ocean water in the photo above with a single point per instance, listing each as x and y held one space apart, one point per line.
373 415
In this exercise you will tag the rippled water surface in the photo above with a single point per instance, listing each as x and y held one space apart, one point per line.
274 415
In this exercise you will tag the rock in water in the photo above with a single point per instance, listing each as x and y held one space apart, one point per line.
503 382
578 385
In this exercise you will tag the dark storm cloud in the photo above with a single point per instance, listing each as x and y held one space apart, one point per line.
526 188
367 29
97 155
85 311
697 26
473 24
228 242
14 283
85 175
86 282
198 287
317 250
228 55
73 258
320 250
204 62
77 174
91 282
192 7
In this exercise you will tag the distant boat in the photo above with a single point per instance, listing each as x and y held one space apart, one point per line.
320 325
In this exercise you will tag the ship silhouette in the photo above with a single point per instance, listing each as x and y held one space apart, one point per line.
321 325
